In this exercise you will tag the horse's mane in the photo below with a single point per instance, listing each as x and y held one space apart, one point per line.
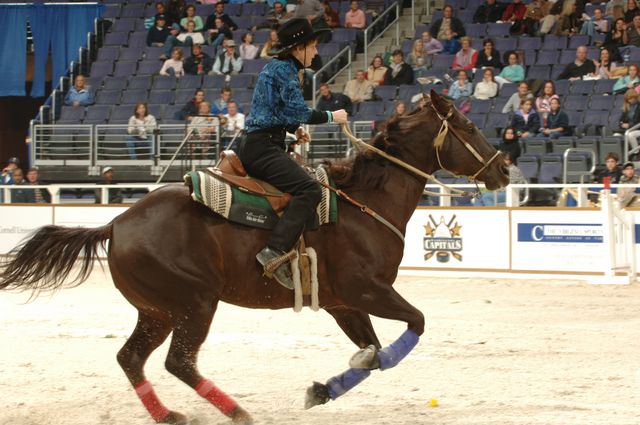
368 170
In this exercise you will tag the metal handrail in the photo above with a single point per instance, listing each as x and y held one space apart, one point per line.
626 140
314 79
565 160
371 26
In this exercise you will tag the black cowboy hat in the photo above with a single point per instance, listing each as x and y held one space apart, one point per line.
294 32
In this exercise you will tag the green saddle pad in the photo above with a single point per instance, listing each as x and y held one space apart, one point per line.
239 206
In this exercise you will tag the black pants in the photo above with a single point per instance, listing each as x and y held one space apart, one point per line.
263 156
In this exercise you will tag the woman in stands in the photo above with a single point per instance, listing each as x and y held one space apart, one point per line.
466 57
418 59
247 49
513 72
376 71
544 100
400 109
173 66
140 129
277 108
488 57
272 41
510 143
191 17
630 116
513 103
487 88
629 81
605 67
526 120
569 22
632 10
461 87
191 108
616 38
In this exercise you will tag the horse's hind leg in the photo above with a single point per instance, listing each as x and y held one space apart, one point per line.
148 335
188 336
356 325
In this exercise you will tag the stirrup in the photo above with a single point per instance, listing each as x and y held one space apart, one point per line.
272 265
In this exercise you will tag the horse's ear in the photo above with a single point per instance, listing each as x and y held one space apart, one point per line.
439 103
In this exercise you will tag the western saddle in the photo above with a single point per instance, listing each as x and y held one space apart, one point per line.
230 170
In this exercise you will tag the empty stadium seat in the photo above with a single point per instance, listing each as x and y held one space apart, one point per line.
192 82
107 97
97 114
529 166
534 146
550 169
386 92
163 83
561 144
133 96
161 97
70 115
139 82
114 83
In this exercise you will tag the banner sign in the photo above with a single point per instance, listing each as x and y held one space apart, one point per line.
18 222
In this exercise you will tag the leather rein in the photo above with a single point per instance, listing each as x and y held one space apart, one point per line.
438 143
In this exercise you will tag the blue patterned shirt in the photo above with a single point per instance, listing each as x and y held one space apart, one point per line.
277 98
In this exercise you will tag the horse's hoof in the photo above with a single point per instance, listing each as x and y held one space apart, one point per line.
175 418
241 417
365 358
316 394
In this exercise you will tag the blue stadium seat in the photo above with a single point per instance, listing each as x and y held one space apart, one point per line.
204 10
190 82
604 86
138 39
481 106
535 146
554 42
406 92
547 57
562 87
498 30
254 9
183 96
601 102
562 144
253 66
121 114
163 83
575 102
139 26
443 61
131 97
107 97
529 166
576 118
476 30
477 119
124 25
578 40
97 114
496 121
101 69
556 70
538 72
590 143
233 9
157 110
242 96
577 162
114 83
70 115
108 53
550 169
386 92
529 43
139 82
124 69
241 81
261 36
129 54
505 44
214 81
168 115
112 11
508 89
370 111
149 67
161 97
132 11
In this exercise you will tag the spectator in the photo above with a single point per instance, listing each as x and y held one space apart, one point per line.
616 38
7 172
21 195
543 102
535 15
451 44
633 33
333 101
569 20
513 103
614 9
578 68
359 89
115 195
330 16
188 38
512 73
354 17
514 14
210 24
418 59
466 57
158 34
191 108
219 33
629 81
627 196
311 10
612 170
630 117
461 87
526 120
595 24
400 109
141 127
605 68
248 50
40 196
448 21
199 63
228 62
234 123
488 12
202 129
278 16
431 45
489 199
631 12
510 143
269 45
79 94
550 19
192 17
487 88
399 72
376 71
557 122
176 9
160 10
174 66
488 57
220 106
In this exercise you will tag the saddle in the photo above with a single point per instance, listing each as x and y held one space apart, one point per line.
229 169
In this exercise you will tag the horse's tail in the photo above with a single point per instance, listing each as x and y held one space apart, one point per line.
44 261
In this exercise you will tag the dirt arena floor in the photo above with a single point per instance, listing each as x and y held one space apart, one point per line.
495 352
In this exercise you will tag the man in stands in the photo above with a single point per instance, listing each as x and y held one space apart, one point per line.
514 13
228 62
627 197
21 195
399 72
157 34
220 106
612 170
489 11
7 172
313 11
578 68
210 25
333 101
115 195
557 122
40 196
354 18
275 17
448 21
198 63
187 38
160 10
235 123
79 94
359 89
634 32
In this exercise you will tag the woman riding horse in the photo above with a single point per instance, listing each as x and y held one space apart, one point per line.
278 107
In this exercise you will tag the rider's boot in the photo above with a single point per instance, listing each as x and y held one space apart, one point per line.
276 265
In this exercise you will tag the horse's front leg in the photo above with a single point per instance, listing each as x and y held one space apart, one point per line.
383 301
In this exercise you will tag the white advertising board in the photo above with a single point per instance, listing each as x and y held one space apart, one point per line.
17 222
92 216
457 239
556 240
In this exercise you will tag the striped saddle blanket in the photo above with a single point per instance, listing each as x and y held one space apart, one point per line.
239 206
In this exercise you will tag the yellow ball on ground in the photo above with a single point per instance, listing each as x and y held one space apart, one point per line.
433 402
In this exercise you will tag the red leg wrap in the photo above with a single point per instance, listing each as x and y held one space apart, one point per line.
215 396
151 402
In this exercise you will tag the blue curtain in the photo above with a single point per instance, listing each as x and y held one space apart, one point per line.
62 28
13 49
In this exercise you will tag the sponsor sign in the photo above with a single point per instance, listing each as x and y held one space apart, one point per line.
18 222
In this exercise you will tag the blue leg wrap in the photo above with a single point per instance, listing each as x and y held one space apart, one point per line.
348 379
392 355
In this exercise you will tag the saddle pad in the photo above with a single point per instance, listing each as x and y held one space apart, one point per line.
252 210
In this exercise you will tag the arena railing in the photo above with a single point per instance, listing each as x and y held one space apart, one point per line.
62 144
340 56
370 31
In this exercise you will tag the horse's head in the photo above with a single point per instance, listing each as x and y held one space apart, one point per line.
461 148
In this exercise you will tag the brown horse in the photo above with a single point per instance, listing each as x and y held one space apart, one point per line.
152 261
